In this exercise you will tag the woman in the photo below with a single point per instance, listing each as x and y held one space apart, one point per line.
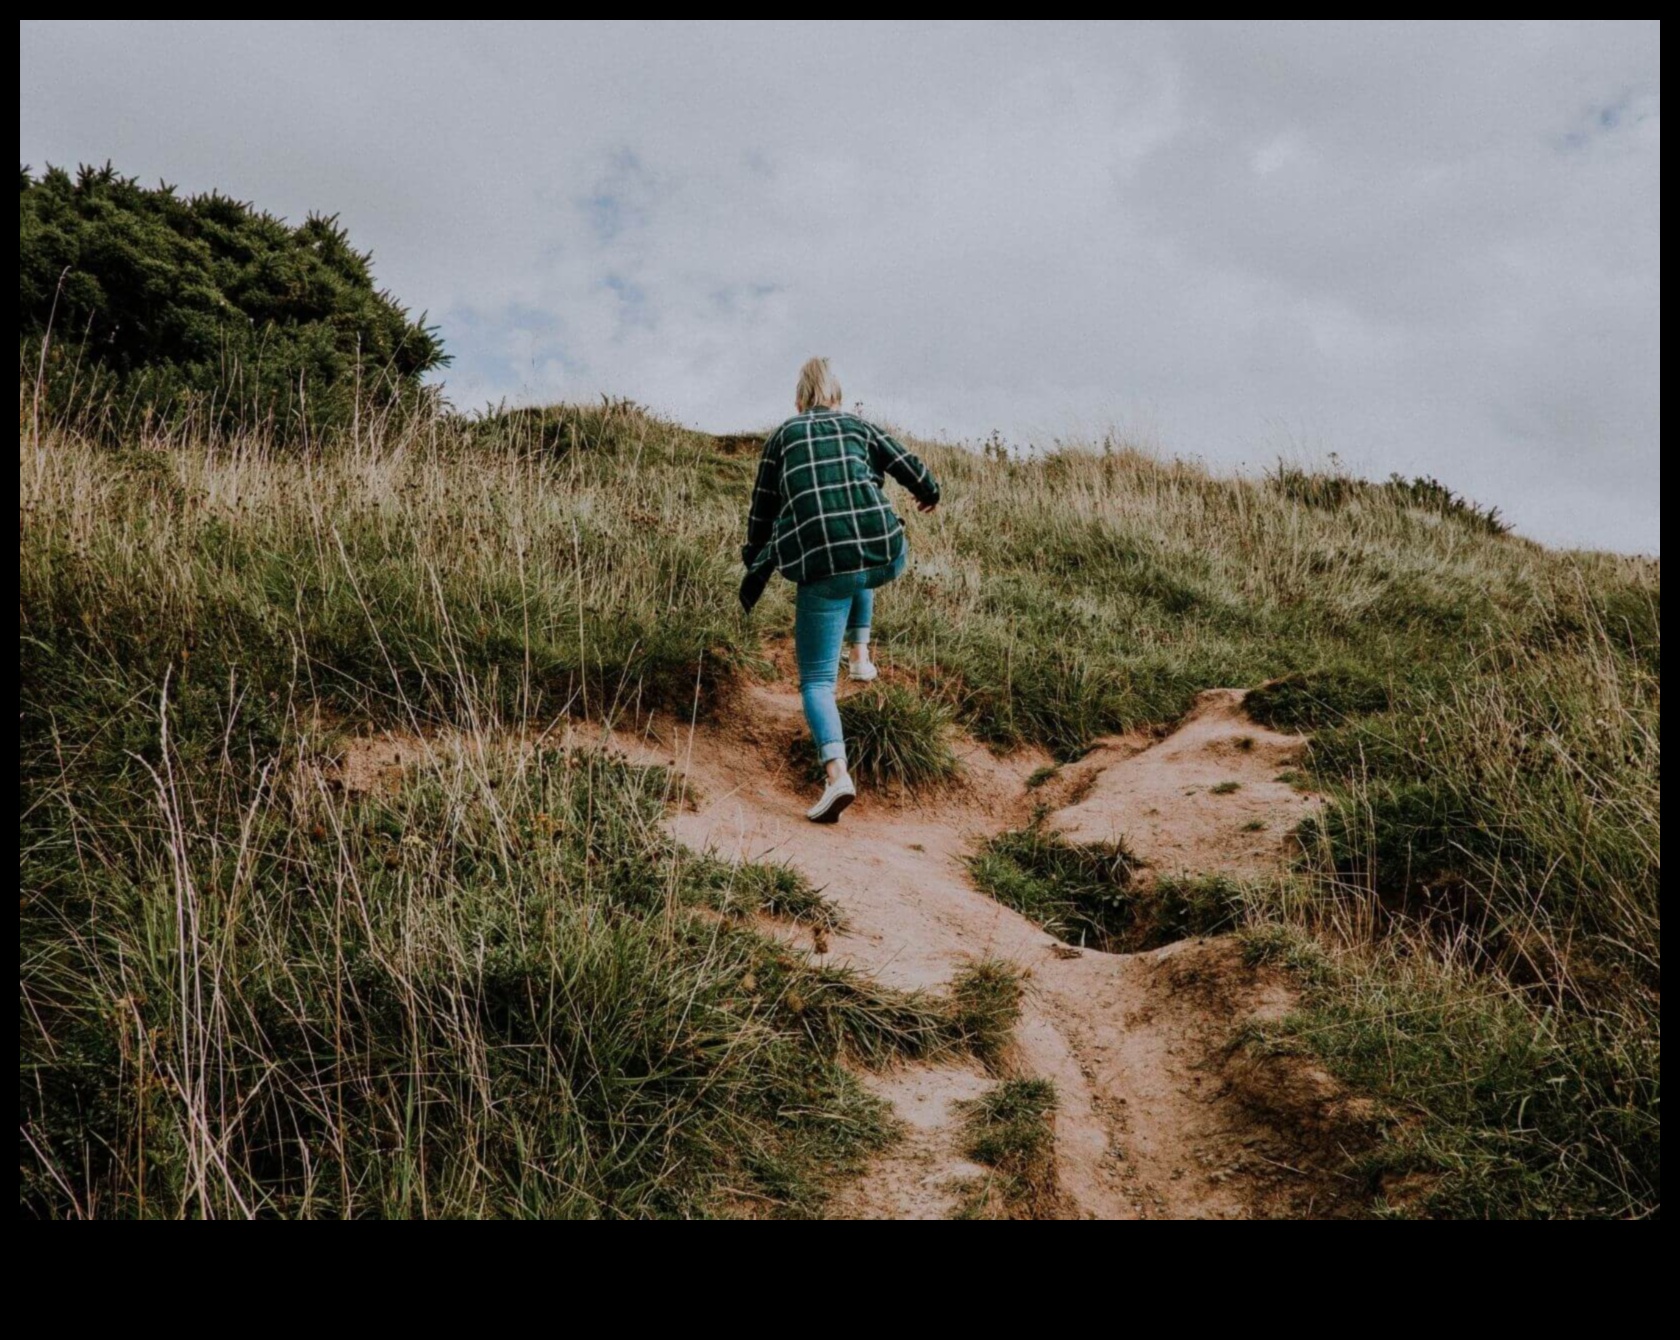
818 517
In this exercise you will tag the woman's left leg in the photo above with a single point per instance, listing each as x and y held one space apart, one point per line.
857 633
862 616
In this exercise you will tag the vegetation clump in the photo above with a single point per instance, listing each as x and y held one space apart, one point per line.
140 304
1089 893
895 738
1334 490
1011 1130
1313 699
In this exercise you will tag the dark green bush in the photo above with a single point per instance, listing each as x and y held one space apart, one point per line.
169 307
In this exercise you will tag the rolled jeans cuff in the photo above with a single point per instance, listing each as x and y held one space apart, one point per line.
830 753
858 637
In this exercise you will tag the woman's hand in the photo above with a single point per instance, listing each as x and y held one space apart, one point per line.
926 506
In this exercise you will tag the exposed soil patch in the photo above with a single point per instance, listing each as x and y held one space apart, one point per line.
374 763
925 1175
1158 1113
1204 800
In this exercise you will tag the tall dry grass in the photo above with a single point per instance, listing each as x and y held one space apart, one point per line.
198 612
497 990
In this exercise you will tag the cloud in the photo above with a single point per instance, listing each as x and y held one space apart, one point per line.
1431 249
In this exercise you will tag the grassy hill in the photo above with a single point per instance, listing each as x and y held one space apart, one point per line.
501 990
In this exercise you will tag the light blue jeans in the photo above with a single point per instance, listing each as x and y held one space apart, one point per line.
828 614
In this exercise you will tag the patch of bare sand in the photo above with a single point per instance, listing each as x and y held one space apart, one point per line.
1204 800
1152 1122
925 1175
1158 1116
375 763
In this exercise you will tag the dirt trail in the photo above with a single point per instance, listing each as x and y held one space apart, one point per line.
1155 1119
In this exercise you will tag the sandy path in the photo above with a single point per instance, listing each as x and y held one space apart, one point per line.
1156 1117
1149 1122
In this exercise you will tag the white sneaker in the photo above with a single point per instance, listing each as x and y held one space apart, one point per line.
862 672
838 794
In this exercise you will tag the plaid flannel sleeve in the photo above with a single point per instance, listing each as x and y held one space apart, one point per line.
766 500
891 457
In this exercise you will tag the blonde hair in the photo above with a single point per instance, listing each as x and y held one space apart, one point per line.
817 386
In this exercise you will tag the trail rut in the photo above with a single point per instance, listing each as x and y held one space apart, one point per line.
1151 1120
1158 1116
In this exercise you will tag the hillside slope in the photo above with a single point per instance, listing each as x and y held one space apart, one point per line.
245 991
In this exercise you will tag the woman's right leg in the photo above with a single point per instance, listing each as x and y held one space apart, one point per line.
819 624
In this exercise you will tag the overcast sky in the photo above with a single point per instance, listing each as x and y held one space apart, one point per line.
1429 249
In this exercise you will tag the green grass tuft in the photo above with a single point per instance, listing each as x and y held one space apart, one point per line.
1087 893
1075 891
1185 905
985 1002
895 737
773 890
1284 945
1011 1130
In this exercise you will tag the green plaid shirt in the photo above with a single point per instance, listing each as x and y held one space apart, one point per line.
818 497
